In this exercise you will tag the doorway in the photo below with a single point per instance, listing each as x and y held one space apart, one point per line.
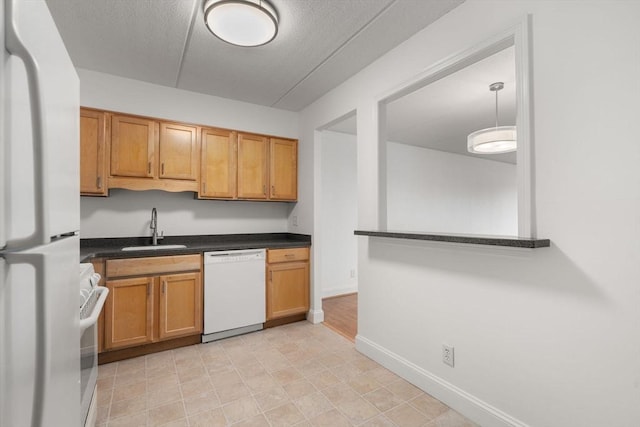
338 220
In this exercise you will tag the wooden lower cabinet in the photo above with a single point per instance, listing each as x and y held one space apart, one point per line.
180 305
129 312
155 306
287 289
287 282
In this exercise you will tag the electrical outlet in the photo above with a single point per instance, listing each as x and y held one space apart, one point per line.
295 220
447 355
353 273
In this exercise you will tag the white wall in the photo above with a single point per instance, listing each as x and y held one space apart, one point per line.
435 191
544 337
338 245
127 213
99 90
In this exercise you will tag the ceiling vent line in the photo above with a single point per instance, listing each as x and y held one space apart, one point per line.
335 52
194 15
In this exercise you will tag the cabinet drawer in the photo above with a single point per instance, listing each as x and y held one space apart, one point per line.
152 265
287 255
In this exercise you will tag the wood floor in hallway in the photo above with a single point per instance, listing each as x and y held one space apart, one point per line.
341 314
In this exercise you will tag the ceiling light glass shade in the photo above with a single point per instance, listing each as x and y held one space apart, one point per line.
241 22
495 140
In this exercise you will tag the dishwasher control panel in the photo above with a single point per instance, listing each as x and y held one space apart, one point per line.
219 257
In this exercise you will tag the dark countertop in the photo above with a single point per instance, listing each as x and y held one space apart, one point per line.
111 247
515 242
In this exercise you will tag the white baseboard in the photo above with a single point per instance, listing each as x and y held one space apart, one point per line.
339 290
315 316
463 402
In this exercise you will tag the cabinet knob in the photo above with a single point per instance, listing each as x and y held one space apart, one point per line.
162 167
149 168
99 182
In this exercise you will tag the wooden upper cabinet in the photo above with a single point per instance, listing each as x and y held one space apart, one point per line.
283 169
218 167
153 155
253 155
133 147
178 152
144 153
93 152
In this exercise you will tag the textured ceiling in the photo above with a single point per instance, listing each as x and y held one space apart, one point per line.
320 44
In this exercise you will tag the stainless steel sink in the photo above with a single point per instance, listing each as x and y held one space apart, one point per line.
152 248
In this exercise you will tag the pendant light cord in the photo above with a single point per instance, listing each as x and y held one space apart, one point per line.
496 87
497 108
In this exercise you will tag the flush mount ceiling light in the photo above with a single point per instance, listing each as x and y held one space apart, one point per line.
495 140
245 23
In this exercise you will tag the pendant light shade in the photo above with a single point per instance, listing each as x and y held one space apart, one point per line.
245 23
494 140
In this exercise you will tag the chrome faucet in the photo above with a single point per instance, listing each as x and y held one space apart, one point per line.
154 226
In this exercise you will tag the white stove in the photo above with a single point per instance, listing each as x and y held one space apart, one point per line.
92 298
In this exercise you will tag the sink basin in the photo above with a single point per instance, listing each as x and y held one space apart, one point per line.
152 248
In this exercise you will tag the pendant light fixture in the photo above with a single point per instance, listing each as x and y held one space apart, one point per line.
245 23
494 140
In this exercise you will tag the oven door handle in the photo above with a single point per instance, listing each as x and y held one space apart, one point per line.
93 318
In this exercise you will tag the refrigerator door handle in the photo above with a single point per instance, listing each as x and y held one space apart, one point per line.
42 338
93 317
15 46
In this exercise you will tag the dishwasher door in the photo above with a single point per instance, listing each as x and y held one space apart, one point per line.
234 293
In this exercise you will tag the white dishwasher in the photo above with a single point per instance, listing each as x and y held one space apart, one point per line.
234 293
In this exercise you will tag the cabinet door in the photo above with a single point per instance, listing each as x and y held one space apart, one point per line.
253 152
129 312
180 305
218 169
283 169
287 289
133 147
93 166
178 152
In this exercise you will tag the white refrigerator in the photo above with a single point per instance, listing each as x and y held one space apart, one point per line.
39 222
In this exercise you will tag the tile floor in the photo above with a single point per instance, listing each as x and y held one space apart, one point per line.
295 375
